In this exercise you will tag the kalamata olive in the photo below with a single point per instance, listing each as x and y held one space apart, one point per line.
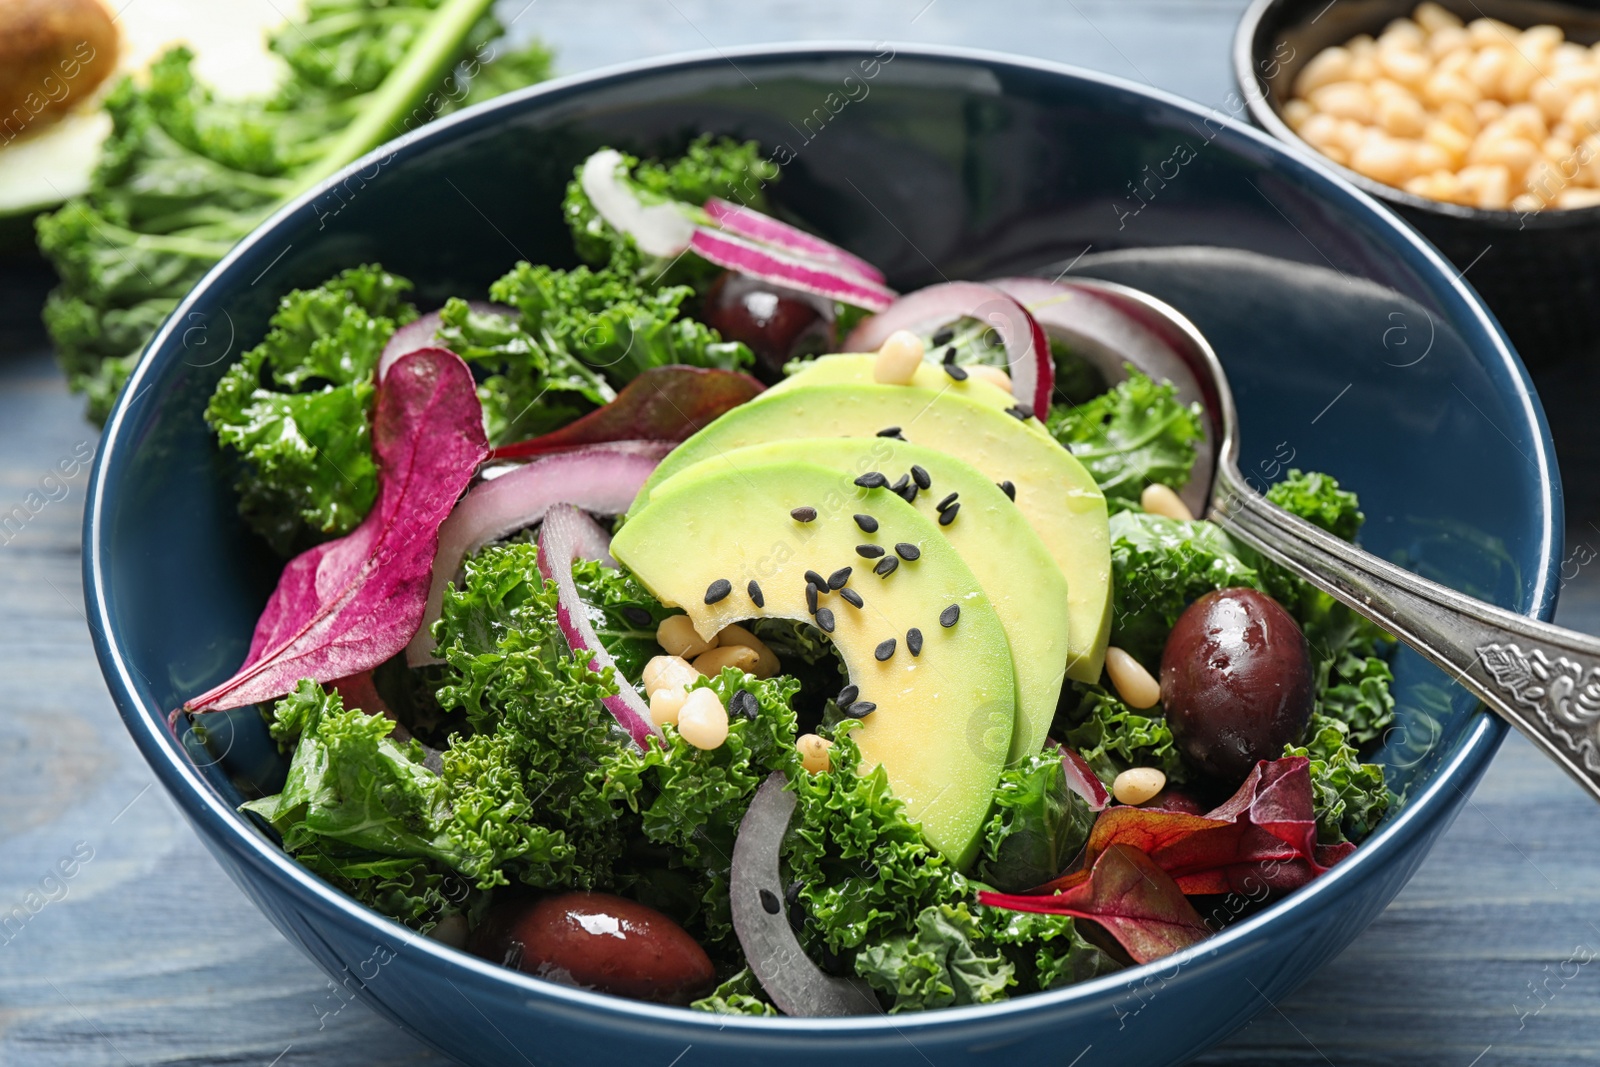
770 322
597 941
1235 682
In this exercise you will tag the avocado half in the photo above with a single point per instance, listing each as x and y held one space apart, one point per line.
1055 495
1012 566
926 646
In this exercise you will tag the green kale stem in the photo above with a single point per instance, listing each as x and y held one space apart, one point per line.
383 115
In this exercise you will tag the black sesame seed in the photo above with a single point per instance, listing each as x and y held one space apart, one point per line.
900 484
909 494
884 650
851 597
872 480
948 617
803 514
921 477
847 696
817 580
755 594
860 709
949 355
1009 490
811 598
867 523
791 895
825 620
1020 412
914 641
744 703
717 590
907 551
869 551
886 566
889 431
958 373
636 615
837 579
944 337
769 902
946 502
948 515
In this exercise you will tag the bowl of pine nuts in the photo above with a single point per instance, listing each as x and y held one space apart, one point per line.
1477 121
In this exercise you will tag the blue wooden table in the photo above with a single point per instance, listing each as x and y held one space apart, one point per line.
135 949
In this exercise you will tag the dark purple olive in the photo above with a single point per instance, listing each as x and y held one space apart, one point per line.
597 941
771 323
1235 682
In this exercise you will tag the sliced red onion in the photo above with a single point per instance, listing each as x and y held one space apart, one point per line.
761 917
1109 330
603 479
926 311
747 222
784 267
661 229
567 535
423 333
1082 780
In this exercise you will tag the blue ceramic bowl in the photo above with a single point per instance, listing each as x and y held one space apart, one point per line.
1351 346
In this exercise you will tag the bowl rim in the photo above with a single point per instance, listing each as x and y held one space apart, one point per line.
223 828
1254 91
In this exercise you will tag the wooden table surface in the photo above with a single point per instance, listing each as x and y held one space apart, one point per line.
148 954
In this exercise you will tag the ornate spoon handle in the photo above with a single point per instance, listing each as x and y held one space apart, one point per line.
1542 679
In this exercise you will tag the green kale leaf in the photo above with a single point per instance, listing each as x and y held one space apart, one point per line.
1158 567
941 964
739 995
1047 951
1112 737
1136 434
1318 499
295 408
1037 826
1348 796
624 615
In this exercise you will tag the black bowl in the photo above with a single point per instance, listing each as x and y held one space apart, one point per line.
1538 271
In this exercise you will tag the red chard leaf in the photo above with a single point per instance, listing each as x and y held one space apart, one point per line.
1128 894
346 606
1082 780
662 404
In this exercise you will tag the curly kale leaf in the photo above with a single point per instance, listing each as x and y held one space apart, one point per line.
1318 499
739 995
1135 434
1037 826
1348 796
295 408
1158 567
612 324
865 868
531 385
690 800
624 615
941 964
708 168
1113 737
1047 950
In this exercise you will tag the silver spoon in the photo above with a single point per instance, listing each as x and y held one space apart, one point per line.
1542 679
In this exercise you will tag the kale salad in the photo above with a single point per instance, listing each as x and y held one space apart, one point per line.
711 624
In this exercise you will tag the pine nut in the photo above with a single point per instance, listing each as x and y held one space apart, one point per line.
666 704
1159 499
735 635
993 375
711 663
898 359
703 721
668 672
678 636
814 753
1138 785
1135 685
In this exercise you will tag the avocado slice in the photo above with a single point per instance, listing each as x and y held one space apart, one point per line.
856 368
1055 495
942 727
1011 564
